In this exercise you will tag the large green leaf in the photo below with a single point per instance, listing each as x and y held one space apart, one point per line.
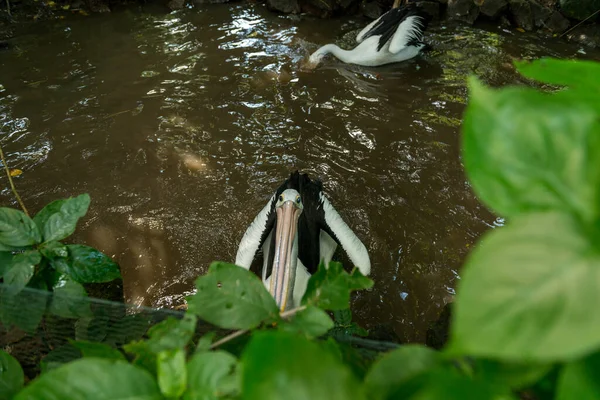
280 365
69 299
58 219
528 291
97 350
398 367
329 288
93 379
525 151
20 270
311 322
514 375
87 265
205 342
24 309
211 376
6 258
11 375
578 74
17 229
172 373
231 297
54 249
580 379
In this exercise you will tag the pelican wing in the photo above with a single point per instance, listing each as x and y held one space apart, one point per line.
341 232
408 33
362 35
255 235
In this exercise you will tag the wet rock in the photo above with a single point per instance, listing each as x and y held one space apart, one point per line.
430 7
371 9
462 10
346 4
587 35
579 9
556 23
176 4
520 12
97 6
493 8
539 13
320 8
4 45
284 6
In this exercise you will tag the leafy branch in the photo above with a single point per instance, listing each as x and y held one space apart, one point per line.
12 184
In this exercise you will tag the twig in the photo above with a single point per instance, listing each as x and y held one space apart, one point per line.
581 22
235 334
8 8
12 184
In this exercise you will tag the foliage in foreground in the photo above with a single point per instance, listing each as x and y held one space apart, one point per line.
524 316
32 255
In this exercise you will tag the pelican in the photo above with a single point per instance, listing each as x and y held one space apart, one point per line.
298 228
395 36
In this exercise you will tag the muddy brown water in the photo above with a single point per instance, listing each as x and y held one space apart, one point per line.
180 126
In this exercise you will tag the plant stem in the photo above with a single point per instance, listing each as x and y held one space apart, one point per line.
581 22
12 184
235 334
8 8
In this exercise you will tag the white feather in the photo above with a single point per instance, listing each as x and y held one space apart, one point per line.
361 35
251 239
408 29
351 244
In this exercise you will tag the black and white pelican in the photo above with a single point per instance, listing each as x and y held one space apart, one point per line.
395 36
297 229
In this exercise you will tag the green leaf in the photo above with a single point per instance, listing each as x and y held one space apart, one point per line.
170 334
17 229
281 365
87 265
25 309
58 219
232 298
515 375
54 249
172 373
527 291
211 376
20 270
205 342
577 74
580 379
312 322
524 151
398 367
329 288
93 379
11 376
97 350
70 299
6 258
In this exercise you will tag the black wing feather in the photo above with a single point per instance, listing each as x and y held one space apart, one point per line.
389 22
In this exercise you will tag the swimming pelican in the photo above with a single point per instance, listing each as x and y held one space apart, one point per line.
395 36
297 229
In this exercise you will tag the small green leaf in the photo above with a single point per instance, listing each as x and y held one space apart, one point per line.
58 219
87 265
70 299
172 373
11 376
93 379
525 293
54 249
232 298
280 365
329 288
580 379
312 322
205 342
20 270
398 367
97 350
578 74
524 153
17 229
211 376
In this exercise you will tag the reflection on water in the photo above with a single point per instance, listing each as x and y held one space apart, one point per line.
180 126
